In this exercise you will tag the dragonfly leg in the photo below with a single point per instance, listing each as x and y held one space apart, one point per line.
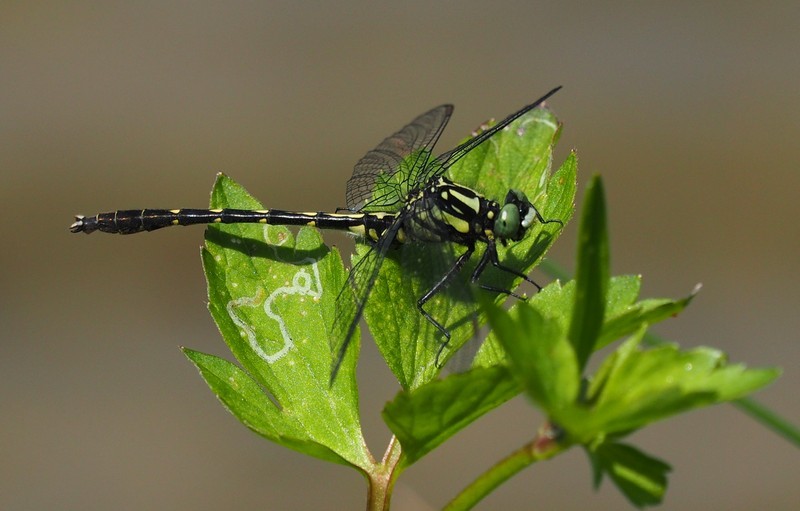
490 256
441 284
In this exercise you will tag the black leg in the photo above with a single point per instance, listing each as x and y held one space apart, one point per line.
490 256
459 264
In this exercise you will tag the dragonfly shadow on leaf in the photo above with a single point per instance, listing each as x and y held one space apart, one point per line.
263 250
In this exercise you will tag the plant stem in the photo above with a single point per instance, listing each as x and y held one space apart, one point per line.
769 418
383 476
544 446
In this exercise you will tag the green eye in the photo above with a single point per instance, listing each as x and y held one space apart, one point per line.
507 224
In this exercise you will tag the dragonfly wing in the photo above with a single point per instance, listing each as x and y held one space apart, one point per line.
445 160
353 296
390 157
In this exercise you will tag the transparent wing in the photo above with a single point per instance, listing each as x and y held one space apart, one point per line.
440 165
354 294
382 179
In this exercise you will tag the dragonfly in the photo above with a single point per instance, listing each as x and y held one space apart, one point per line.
398 194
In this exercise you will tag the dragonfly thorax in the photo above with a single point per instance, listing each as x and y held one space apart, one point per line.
443 211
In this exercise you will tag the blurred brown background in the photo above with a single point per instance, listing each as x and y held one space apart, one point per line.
690 112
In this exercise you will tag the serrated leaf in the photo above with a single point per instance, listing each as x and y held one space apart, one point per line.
632 387
556 302
561 189
641 478
625 322
592 273
539 355
242 396
623 290
635 386
425 417
517 157
272 296
553 301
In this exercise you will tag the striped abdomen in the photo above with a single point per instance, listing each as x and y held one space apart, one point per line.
140 220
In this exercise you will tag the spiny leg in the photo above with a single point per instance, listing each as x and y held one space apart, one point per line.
441 284
490 256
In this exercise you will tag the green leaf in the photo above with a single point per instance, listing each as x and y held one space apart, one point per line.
632 387
641 478
627 320
425 417
242 396
635 386
556 302
539 355
272 297
560 204
561 190
592 273
622 292
517 157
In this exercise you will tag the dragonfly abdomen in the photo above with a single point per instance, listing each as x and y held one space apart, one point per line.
142 220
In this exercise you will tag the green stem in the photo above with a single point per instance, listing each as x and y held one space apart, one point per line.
383 476
543 447
769 418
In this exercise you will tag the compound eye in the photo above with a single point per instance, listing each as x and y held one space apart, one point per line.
507 223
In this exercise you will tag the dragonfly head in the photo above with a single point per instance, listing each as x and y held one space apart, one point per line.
516 216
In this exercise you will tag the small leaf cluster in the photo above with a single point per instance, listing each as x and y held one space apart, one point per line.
541 348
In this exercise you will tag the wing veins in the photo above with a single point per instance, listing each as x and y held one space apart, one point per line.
389 156
360 282
447 159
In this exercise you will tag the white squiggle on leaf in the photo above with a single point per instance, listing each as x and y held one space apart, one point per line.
303 284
